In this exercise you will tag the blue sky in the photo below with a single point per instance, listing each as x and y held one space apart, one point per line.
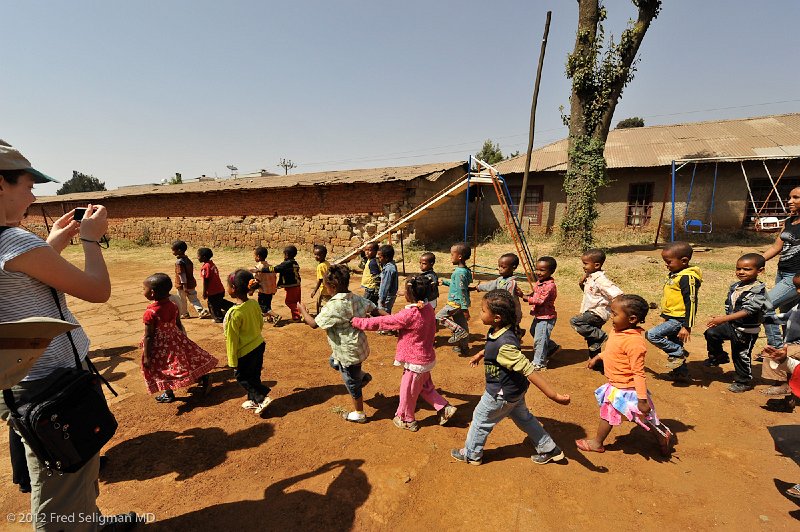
132 92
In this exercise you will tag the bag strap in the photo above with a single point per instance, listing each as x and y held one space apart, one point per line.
89 362
8 397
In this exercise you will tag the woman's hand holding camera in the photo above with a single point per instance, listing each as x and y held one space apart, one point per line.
94 224
63 230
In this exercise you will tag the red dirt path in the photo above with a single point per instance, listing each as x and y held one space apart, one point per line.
204 463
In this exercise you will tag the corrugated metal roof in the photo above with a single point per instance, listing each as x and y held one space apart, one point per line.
430 172
659 145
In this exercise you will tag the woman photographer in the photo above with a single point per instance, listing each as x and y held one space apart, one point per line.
29 268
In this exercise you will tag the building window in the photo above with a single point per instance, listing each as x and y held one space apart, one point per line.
533 202
767 204
640 204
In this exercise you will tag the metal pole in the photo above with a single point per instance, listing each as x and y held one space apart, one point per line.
475 237
672 221
402 252
533 116
661 217
466 207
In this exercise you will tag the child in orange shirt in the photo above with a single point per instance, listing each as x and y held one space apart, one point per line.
626 392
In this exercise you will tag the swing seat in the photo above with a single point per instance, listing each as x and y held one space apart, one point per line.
696 226
769 223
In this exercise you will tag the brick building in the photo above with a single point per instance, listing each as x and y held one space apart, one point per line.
339 209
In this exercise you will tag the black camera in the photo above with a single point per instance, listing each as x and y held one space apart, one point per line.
80 212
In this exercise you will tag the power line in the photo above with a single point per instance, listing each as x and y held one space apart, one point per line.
420 152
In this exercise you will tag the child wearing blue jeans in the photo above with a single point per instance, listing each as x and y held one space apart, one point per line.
508 374
387 291
543 310
349 347
678 308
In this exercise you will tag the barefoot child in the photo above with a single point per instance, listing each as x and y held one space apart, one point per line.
416 325
169 359
349 345
244 343
626 392
508 375
267 285
213 291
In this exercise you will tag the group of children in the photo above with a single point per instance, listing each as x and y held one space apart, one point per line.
170 360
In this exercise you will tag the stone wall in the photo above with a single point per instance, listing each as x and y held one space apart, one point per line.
341 216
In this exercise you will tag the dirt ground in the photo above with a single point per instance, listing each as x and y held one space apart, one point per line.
205 463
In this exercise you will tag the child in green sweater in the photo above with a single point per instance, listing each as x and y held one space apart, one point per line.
243 341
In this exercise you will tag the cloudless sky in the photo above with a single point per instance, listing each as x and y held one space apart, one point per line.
132 92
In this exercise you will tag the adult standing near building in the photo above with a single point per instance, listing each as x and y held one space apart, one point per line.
29 268
783 295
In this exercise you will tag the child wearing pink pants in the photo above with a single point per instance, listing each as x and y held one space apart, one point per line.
416 325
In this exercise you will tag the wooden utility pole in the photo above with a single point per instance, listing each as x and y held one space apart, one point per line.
533 117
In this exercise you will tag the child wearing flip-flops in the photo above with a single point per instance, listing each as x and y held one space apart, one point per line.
626 392
348 345
416 326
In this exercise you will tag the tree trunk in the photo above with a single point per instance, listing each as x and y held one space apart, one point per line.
597 85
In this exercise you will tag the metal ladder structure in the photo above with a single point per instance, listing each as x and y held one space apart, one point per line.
483 174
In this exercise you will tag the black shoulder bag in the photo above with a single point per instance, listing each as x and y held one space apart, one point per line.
68 423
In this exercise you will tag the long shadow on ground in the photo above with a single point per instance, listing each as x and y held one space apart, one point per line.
107 360
303 398
280 509
186 453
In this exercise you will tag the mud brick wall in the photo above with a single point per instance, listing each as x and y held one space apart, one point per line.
340 216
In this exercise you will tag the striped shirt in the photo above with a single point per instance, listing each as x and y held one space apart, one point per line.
22 296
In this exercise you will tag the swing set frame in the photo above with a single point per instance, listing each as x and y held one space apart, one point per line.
769 223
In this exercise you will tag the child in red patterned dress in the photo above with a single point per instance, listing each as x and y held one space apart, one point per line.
170 360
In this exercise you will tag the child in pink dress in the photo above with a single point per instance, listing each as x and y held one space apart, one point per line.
169 359
416 325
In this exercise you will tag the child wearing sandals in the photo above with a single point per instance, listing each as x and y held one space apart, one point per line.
626 392
348 345
169 359
416 326
244 343
508 376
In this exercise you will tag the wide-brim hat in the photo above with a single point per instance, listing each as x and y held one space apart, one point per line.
12 159
23 342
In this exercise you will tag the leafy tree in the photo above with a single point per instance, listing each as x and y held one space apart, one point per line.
512 155
177 180
80 182
627 123
490 152
598 73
